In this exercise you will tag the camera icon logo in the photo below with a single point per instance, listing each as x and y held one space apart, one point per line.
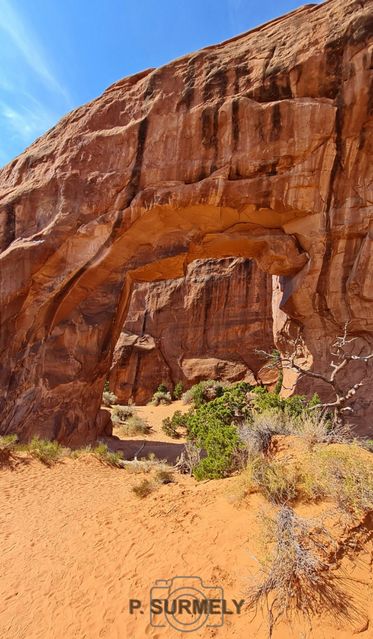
186 604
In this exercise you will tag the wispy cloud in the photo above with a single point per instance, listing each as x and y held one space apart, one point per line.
31 49
234 7
27 121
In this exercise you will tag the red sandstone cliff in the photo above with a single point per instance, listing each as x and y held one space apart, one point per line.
259 147
204 326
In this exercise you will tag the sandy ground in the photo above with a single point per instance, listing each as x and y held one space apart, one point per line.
156 442
77 544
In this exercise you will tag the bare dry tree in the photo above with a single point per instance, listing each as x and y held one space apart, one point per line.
342 356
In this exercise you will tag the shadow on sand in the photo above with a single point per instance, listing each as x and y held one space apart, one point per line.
139 448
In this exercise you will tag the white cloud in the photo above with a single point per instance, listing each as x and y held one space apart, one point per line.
29 46
27 121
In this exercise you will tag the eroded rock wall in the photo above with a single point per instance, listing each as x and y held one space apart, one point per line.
260 147
204 326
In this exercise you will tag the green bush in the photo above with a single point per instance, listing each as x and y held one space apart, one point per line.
261 400
222 426
8 441
161 397
171 425
213 428
46 451
121 414
178 390
162 388
203 392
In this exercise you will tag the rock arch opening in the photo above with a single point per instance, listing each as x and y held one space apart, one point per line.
205 325
70 338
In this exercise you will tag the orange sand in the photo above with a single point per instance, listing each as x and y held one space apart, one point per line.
76 544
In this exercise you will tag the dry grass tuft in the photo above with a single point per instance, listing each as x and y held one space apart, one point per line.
143 488
134 425
107 457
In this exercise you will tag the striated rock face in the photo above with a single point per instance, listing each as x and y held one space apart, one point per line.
204 326
259 148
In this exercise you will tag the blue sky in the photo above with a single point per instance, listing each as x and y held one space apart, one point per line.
58 54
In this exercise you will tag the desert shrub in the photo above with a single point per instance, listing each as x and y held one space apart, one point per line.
368 444
203 392
121 414
79 452
163 477
189 459
221 447
277 480
315 428
262 400
106 456
108 398
7 447
339 473
143 488
280 379
330 472
178 390
171 426
213 428
48 452
161 397
257 434
296 575
162 388
134 425
8 442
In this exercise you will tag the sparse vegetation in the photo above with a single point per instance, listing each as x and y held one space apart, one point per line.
7 447
178 390
163 477
108 398
134 425
189 458
338 473
257 434
277 480
143 488
108 457
48 452
203 392
297 575
120 414
161 397
176 425
334 472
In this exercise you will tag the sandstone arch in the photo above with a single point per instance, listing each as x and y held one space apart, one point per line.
204 325
257 148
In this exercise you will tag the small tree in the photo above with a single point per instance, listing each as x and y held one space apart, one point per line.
341 351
